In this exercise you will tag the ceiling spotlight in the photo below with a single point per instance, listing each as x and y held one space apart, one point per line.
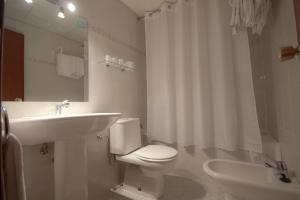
61 13
29 1
71 7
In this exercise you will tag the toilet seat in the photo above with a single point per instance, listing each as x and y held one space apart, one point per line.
156 153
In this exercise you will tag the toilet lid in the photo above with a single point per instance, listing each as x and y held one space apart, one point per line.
156 152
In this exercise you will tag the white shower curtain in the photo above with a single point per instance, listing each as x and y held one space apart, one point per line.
199 81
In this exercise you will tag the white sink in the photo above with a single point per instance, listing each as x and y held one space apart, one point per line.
37 130
68 134
248 181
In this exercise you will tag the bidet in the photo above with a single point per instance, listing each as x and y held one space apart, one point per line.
248 181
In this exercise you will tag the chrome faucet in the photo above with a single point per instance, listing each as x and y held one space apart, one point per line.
61 106
281 167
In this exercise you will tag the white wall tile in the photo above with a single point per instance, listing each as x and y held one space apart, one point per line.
281 31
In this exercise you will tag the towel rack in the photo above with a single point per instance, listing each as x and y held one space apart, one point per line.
5 131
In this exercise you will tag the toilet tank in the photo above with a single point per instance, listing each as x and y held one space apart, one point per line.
125 136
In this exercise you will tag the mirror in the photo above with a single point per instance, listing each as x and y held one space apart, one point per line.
45 52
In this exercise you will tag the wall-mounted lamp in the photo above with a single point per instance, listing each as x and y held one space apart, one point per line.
67 4
61 13
71 7
289 52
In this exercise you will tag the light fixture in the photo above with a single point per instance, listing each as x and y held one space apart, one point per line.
61 13
29 1
71 7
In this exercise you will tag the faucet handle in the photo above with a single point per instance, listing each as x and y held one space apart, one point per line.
281 165
284 174
61 106
66 102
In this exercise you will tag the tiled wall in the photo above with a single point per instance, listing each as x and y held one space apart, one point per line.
39 173
263 81
282 91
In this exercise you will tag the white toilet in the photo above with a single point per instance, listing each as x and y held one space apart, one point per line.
146 166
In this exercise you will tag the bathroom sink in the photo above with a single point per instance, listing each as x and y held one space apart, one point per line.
248 181
37 130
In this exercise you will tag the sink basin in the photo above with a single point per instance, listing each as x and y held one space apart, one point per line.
248 181
68 134
37 130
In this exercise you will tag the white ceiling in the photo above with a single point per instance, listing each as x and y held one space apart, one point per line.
43 14
141 6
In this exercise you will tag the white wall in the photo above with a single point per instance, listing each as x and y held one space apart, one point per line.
39 173
284 77
263 81
286 83
114 30
40 67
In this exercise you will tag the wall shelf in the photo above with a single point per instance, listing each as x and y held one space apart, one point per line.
118 63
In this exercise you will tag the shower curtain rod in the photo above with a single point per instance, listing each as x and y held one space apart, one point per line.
151 12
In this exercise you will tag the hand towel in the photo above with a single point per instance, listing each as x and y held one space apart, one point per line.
70 66
13 168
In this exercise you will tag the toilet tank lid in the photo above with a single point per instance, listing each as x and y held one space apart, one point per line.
125 120
156 152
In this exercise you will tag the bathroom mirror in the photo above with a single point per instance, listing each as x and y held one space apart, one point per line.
45 52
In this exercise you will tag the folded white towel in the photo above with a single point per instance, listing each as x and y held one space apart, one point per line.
14 180
70 66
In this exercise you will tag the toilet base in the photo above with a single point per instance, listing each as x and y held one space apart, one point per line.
140 183
132 192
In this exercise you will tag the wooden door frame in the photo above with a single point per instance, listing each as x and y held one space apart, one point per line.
2 193
13 65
